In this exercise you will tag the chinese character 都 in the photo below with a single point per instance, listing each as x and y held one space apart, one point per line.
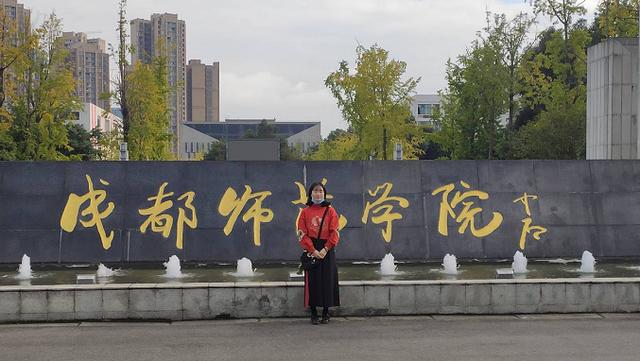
161 222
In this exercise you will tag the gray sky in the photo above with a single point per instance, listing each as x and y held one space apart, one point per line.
275 54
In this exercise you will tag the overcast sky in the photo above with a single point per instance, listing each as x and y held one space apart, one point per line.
275 54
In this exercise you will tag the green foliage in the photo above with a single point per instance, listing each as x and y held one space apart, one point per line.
342 146
476 98
218 151
263 131
46 98
147 97
617 18
375 102
558 133
82 143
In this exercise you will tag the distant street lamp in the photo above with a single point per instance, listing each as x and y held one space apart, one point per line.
124 151
398 152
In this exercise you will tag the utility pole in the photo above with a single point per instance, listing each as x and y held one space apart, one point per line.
384 142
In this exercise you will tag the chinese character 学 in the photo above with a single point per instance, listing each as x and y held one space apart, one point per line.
302 200
528 228
466 216
93 199
161 222
231 206
381 209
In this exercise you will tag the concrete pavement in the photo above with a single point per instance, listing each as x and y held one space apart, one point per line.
584 337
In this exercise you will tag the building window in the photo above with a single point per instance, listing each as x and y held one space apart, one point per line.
427 109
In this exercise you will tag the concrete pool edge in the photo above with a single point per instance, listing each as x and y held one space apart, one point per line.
195 301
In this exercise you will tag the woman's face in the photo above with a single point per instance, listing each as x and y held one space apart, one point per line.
317 193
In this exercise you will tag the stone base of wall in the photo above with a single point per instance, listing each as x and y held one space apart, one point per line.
198 301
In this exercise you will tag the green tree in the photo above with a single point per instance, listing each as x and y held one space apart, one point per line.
47 97
375 102
617 18
83 144
218 151
342 146
477 96
553 81
149 118
120 94
264 130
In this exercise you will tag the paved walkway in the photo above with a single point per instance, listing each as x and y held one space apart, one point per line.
608 337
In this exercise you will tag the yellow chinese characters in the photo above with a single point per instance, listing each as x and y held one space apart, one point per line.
303 200
161 222
94 197
528 228
466 217
382 210
231 206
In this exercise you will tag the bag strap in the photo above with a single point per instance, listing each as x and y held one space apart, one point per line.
322 222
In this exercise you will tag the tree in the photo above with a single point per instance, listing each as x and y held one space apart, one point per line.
567 13
263 131
14 48
149 119
218 151
48 99
475 99
553 82
82 143
375 102
342 147
120 94
617 19
509 38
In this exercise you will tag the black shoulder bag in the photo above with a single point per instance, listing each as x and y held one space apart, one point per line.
308 261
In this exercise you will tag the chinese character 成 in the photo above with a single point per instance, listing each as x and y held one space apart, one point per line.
95 197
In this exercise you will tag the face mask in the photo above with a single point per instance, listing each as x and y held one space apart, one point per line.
317 201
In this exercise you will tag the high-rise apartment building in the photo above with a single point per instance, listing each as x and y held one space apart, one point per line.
165 35
90 65
203 92
18 13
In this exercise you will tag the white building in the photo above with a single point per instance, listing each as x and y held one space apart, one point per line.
424 106
196 138
92 117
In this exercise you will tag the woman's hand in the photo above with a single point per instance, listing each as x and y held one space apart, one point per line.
323 253
316 254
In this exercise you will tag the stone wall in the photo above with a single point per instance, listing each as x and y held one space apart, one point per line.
249 209
285 299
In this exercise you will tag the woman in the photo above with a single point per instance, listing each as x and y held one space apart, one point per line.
321 282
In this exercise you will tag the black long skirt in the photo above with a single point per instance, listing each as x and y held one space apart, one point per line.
321 283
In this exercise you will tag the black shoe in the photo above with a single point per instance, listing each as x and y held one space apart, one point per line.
325 319
315 320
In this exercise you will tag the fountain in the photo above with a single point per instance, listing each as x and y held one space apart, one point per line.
588 263
244 268
104 271
519 264
388 265
450 264
24 270
173 267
